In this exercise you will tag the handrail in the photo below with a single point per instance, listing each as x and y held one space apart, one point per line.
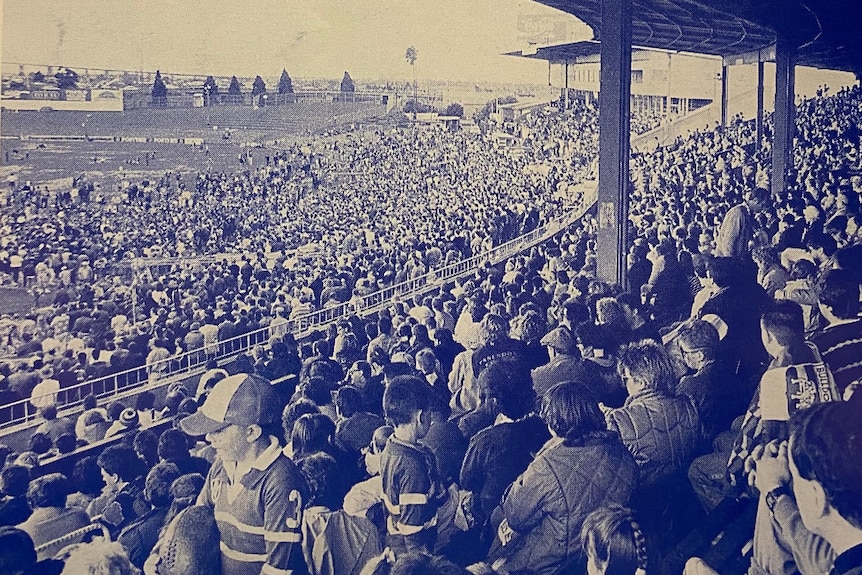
23 411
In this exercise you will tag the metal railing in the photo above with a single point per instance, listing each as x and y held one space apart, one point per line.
159 373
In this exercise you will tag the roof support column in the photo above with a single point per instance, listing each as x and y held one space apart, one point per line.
785 113
724 69
614 126
759 121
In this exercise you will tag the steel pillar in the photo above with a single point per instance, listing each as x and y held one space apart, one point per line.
785 113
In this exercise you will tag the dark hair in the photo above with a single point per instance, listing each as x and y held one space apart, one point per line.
66 443
48 491
115 408
348 400
292 412
595 336
17 551
146 445
158 483
318 390
571 410
173 446
422 563
325 479
785 321
49 412
403 397
614 538
15 480
89 401
509 384
822 440
39 443
146 400
121 460
760 195
839 291
87 476
822 240
311 434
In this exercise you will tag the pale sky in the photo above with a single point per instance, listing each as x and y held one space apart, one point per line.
456 39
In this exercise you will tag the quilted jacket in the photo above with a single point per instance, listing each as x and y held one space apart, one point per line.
547 504
662 433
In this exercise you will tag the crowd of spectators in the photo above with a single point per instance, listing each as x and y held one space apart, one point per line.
529 419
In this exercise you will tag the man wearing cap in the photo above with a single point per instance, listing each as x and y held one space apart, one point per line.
565 365
255 491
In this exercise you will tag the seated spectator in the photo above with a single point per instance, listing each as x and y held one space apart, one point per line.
496 345
581 468
140 536
14 508
661 430
173 447
125 423
597 346
121 500
354 426
565 365
840 341
712 387
53 426
365 499
613 542
51 519
497 455
86 483
146 444
92 426
802 289
332 540
770 275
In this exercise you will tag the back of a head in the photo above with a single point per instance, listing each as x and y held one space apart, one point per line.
571 410
325 480
48 491
14 480
121 460
509 384
492 329
158 483
17 552
648 364
311 433
403 397
785 321
613 538
191 543
839 291
422 563
698 335
348 400
822 439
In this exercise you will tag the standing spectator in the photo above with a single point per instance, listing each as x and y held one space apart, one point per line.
565 365
255 491
738 226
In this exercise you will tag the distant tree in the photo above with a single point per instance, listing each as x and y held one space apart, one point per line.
210 90
259 86
160 91
414 107
454 109
492 106
347 83
38 76
235 88
285 84
66 78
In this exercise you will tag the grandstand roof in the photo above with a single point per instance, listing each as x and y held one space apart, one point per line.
824 30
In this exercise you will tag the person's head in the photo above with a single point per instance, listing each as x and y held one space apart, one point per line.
191 543
348 401
66 443
48 491
407 402
698 341
646 366
292 412
492 329
758 199
371 453
571 411
17 551
326 485
39 443
826 476
782 327
49 412
120 463
145 401
14 480
595 341
559 341
87 476
839 295
613 542
312 433
99 558
507 385
237 417
610 312
426 362
158 483
173 446
422 563
146 445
